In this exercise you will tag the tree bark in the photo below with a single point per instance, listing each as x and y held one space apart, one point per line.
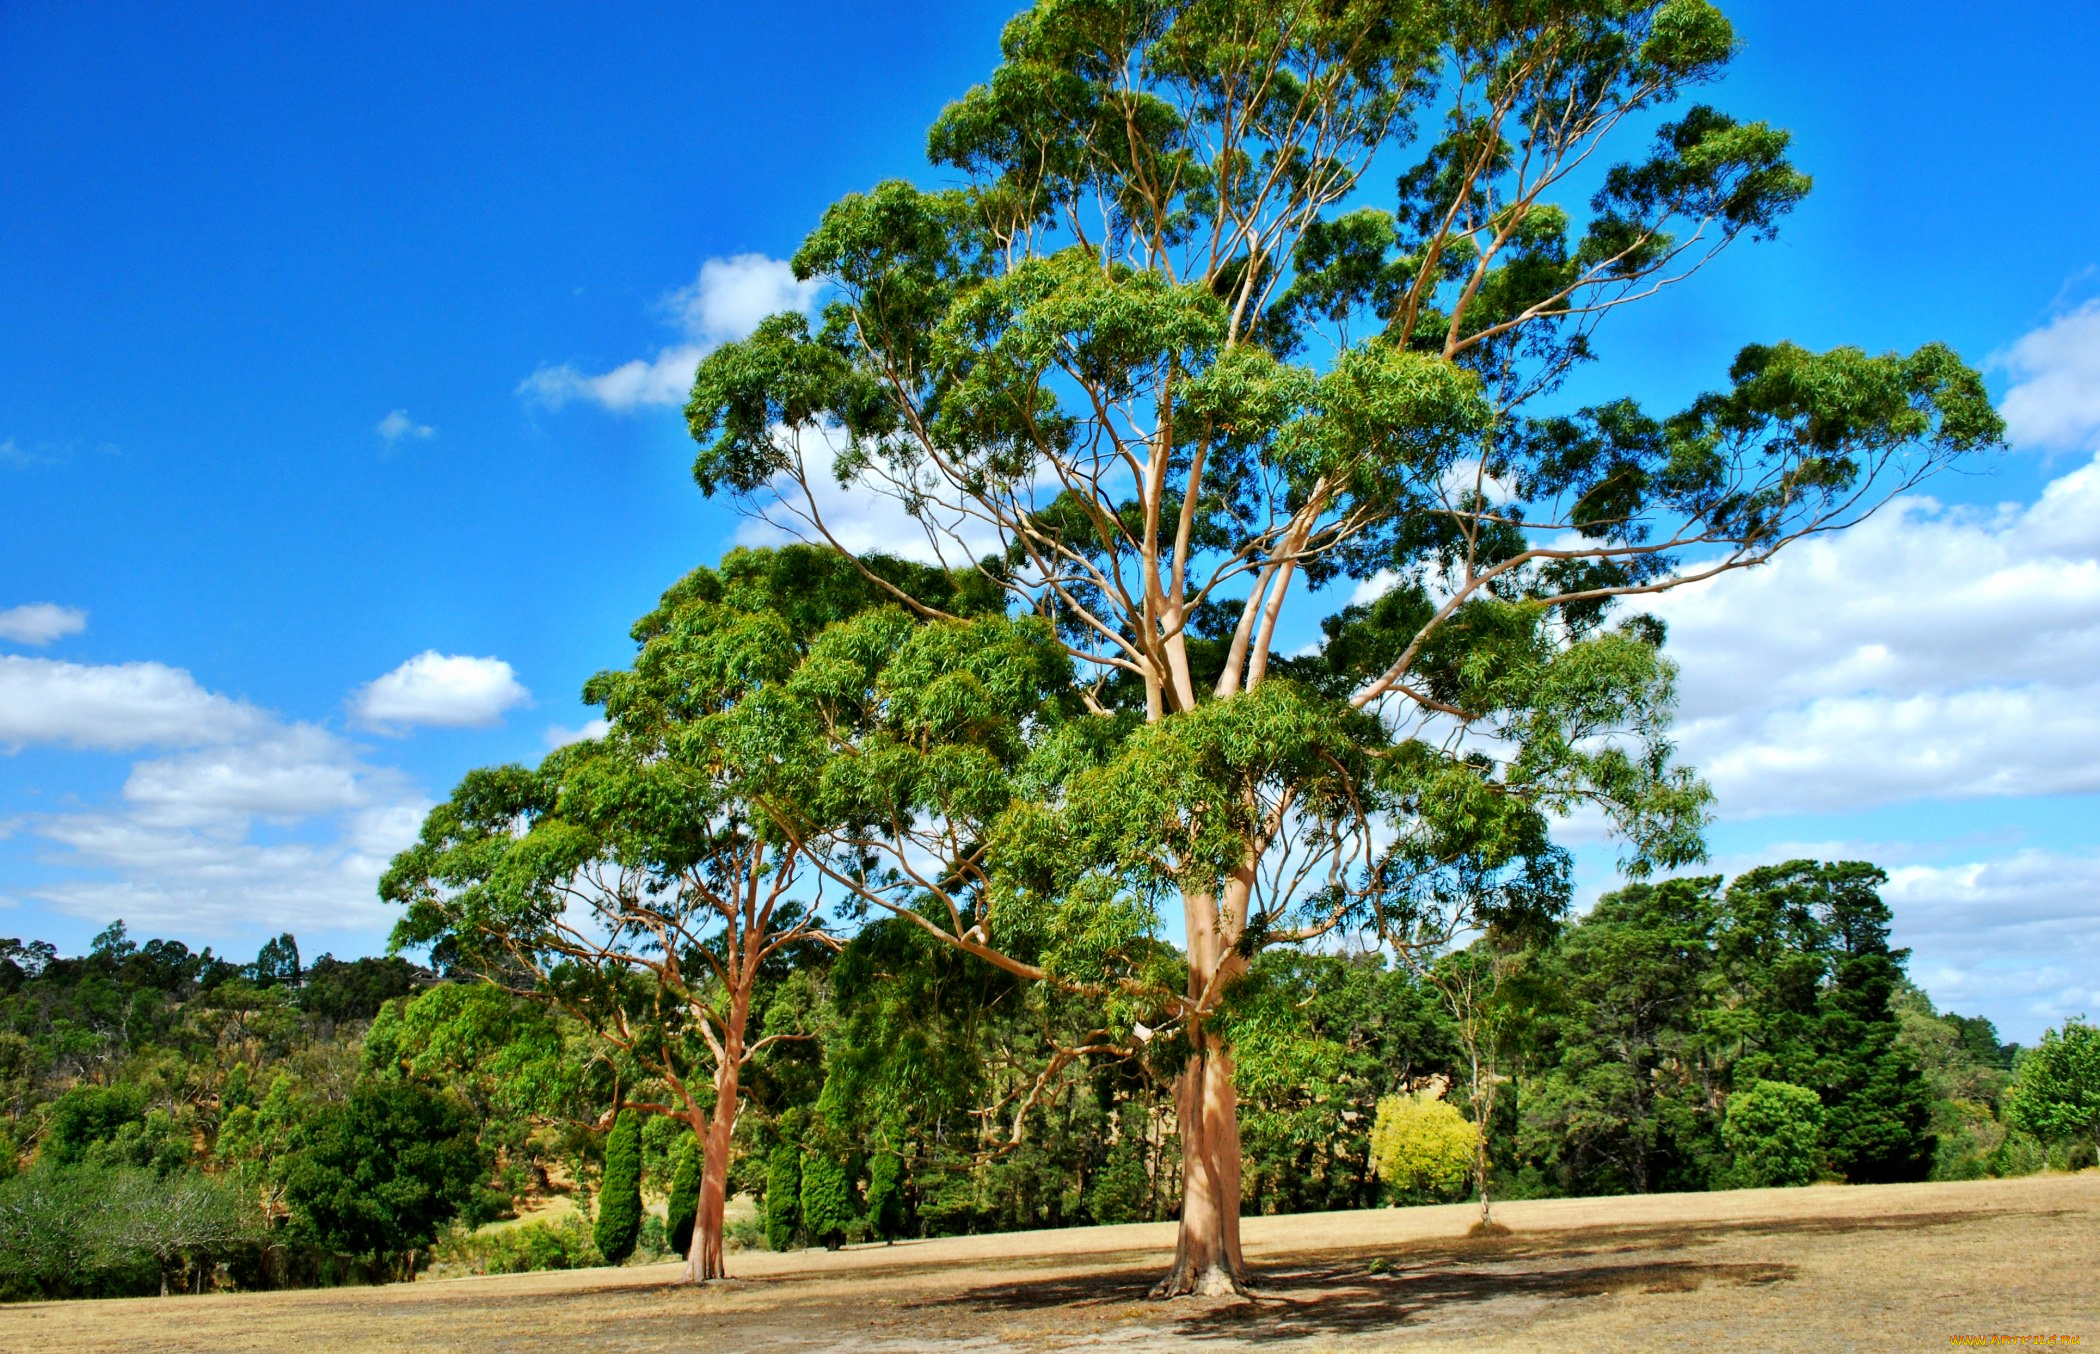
1207 1260
703 1259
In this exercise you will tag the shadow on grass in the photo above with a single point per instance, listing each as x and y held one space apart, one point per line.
1354 1290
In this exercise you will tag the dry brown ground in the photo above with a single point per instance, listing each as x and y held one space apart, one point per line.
1887 1267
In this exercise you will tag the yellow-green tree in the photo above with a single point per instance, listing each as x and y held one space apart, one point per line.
1422 1146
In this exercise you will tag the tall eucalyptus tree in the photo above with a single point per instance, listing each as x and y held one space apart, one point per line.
1240 307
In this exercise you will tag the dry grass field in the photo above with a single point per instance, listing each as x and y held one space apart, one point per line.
1888 1267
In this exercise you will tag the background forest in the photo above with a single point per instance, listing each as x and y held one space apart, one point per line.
179 1121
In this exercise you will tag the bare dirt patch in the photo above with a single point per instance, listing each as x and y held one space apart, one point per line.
1887 1267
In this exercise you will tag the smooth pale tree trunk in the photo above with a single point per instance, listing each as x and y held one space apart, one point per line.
703 1259
1207 1259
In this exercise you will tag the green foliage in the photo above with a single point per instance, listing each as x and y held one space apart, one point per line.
826 1197
886 1196
1776 1132
93 1231
378 1174
783 1201
1822 990
683 1203
89 1116
1621 1098
2056 1094
619 1222
1422 1147
528 1247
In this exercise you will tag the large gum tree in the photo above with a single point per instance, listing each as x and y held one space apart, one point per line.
1239 309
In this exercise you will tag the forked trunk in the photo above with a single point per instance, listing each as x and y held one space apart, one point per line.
1207 1261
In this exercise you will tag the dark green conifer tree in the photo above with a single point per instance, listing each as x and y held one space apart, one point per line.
619 1223
685 1194
783 1195
886 1195
827 1197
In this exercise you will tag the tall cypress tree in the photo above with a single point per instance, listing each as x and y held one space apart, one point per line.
827 1197
783 1195
619 1223
886 1195
684 1203
1807 944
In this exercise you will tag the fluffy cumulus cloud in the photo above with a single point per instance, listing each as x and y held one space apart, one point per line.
398 425
2054 402
2017 936
113 707
560 736
442 690
237 821
41 622
723 304
1933 652
865 516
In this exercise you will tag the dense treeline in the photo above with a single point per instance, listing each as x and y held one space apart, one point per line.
178 1121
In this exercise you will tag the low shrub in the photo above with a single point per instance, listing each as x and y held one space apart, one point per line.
560 1243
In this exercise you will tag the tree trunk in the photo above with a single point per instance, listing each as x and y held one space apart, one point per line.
1207 1258
703 1259
1207 1261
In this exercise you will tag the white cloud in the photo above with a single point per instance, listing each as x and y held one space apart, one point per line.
41 622
114 706
292 772
200 883
2020 934
665 379
731 296
398 425
2054 402
723 304
444 690
245 822
560 737
1931 652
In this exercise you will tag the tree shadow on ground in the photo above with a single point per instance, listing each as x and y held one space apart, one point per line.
1354 1290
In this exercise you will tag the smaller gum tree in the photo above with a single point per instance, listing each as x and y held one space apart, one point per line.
643 882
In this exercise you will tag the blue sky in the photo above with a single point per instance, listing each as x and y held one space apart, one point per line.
276 283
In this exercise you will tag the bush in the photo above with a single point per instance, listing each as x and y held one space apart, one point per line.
1422 1147
528 1247
2019 1154
1774 1130
89 1116
684 1203
654 1240
620 1191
